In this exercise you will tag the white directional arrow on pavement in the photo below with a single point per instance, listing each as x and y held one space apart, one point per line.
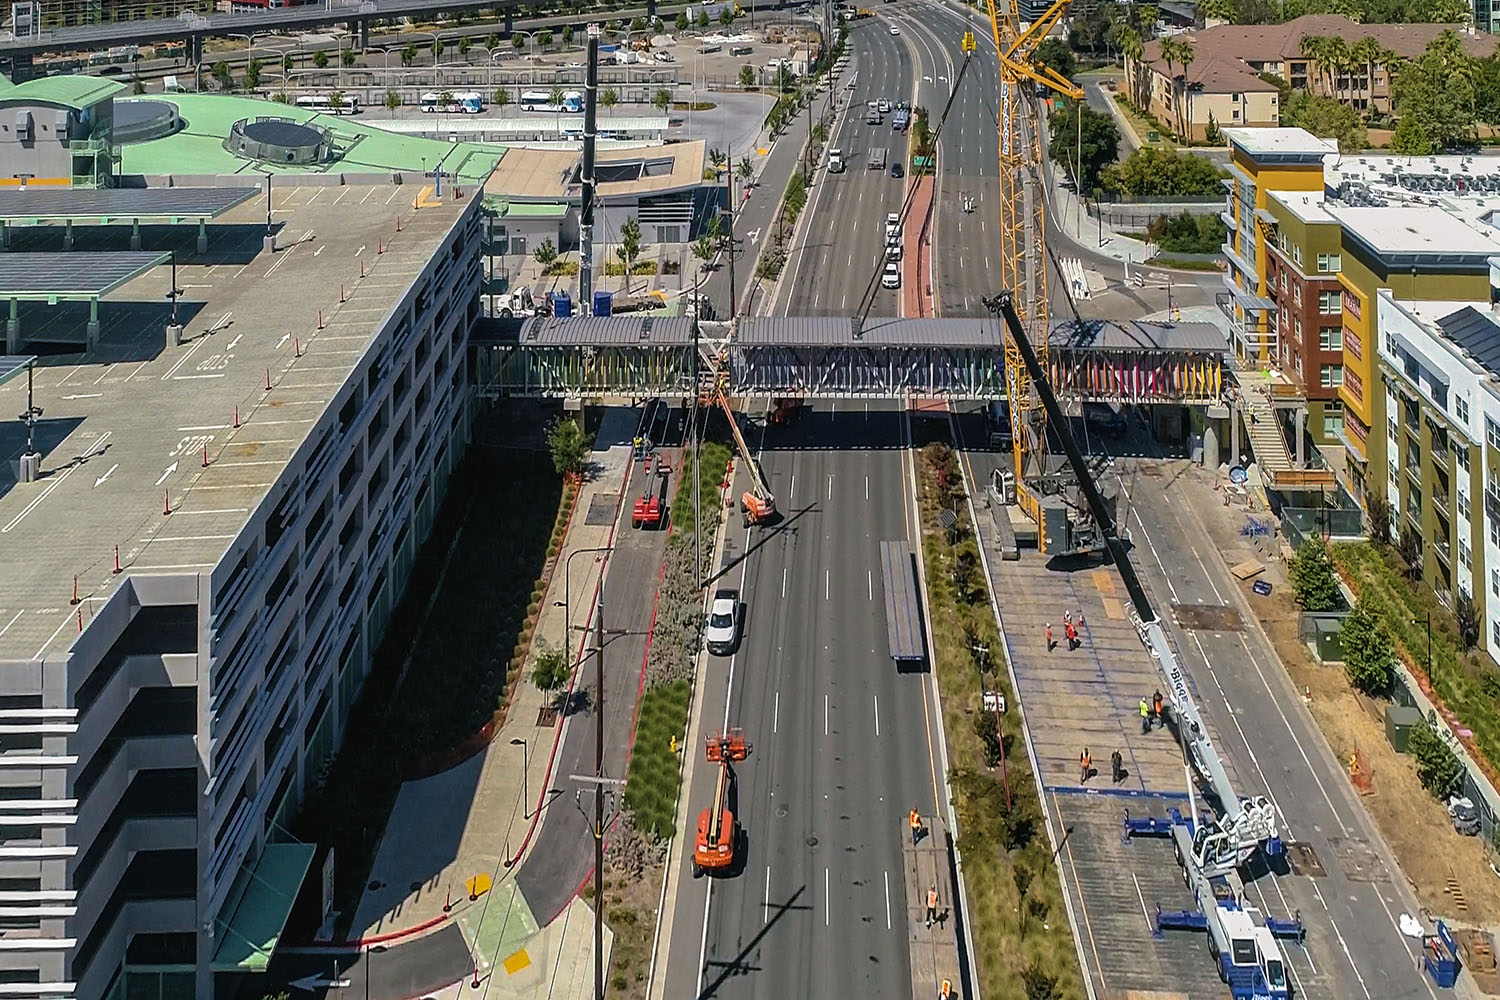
754 235
100 481
317 982
170 469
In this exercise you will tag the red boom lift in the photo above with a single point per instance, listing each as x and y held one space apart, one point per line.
649 506
718 830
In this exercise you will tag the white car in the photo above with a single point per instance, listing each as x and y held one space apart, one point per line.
891 278
892 227
724 619
893 250
895 30
884 106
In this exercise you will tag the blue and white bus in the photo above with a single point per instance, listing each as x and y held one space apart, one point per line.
470 102
541 100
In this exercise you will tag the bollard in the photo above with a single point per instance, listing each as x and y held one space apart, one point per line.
296 347
117 560
320 319
398 223
205 456
166 502
473 985
268 380
379 246
236 416
75 589
341 291
361 267
448 902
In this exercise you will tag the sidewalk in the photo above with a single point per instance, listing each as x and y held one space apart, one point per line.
476 820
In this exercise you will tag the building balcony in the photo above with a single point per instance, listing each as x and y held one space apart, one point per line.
1444 551
1230 222
1442 456
1245 265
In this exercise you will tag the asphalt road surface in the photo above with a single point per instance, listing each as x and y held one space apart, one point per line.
1353 949
839 252
844 744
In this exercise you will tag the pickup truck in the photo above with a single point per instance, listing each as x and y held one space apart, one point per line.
835 161
877 158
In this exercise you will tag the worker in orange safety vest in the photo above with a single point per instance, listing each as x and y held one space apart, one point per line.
931 905
916 828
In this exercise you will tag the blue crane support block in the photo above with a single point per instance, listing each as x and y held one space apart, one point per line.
1151 826
1178 920
1292 928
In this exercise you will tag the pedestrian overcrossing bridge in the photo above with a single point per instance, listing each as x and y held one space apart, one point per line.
834 357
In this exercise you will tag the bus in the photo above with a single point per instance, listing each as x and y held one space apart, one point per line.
471 102
348 104
541 100
468 102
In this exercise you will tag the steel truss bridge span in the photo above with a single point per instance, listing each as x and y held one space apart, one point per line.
840 358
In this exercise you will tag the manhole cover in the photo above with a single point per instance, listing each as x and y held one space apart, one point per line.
1304 861
781 812
812 841
602 509
1358 860
546 716
1207 617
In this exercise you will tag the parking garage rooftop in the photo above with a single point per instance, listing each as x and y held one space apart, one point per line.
127 425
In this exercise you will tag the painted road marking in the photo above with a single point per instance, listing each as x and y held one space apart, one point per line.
765 906
887 900
776 713
877 715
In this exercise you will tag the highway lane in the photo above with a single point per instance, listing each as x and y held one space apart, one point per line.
842 740
841 246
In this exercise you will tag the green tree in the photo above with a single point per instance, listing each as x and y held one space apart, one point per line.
1212 134
252 74
1411 138
744 170
287 61
629 249
1039 984
1179 52
555 97
409 53
1369 653
492 41
1438 768
682 21
638 24
501 97
703 249
658 26
747 75
348 57
1313 581
1326 117
445 99
392 99
569 447
1184 233
320 59
438 48
549 671
1436 93
608 98
464 45
567 34
1089 137
726 16
1054 52
662 99
545 255
544 38
1218 10
987 729
718 159
518 41
1154 171
701 20
221 75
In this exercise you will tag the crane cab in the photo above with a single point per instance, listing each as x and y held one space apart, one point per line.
1249 958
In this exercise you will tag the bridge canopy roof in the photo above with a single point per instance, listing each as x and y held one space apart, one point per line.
1127 335
120 203
839 331
607 331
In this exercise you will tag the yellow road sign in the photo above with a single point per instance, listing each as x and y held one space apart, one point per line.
968 44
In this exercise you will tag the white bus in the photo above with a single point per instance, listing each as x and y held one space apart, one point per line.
468 102
541 100
348 104
471 102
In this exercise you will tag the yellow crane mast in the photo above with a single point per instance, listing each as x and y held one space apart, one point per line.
1023 234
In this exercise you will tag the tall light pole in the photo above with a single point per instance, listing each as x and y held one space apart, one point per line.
525 777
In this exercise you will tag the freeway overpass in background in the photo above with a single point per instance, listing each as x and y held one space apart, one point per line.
831 357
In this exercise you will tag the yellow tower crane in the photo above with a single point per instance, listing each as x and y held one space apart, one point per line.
1023 234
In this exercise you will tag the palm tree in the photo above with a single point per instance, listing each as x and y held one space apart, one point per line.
717 159
1175 51
1365 53
1338 57
1311 49
1185 56
1132 48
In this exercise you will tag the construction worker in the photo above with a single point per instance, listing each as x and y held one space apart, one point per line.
945 991
1145 716
1072 636
1156 709
1085 765
916 828
1117 767
931 905
1050 644
1067 618
637 445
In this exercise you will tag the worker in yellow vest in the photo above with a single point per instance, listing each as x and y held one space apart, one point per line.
945 992
916 828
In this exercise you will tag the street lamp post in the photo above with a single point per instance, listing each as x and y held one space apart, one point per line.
568 585
525 777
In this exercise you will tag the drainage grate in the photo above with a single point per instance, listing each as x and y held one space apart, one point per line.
1207 617
1303 860
602 509
546 716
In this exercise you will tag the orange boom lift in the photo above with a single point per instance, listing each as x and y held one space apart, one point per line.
718 830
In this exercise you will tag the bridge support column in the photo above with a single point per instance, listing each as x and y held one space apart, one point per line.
1234 433
510 20
135 234
1211 444
68 234
650 9
13 328
4 236
1299 425
194 50
92 335
364 34
202 236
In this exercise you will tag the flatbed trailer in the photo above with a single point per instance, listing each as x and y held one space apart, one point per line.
934 949
903 605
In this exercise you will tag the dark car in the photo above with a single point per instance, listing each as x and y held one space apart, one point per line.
897 170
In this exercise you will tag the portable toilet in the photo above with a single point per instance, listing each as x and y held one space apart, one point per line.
602 303
562 305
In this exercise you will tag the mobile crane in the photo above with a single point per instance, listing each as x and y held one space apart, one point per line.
757 504
718 829
1209 848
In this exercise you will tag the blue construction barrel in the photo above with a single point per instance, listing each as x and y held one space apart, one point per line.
602 303
562 305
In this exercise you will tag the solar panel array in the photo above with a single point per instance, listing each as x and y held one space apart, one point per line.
121 203
78 274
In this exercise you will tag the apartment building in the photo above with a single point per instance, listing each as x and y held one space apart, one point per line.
1421 252
1304 258
1225 78
235 514
1262 161
1439 365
